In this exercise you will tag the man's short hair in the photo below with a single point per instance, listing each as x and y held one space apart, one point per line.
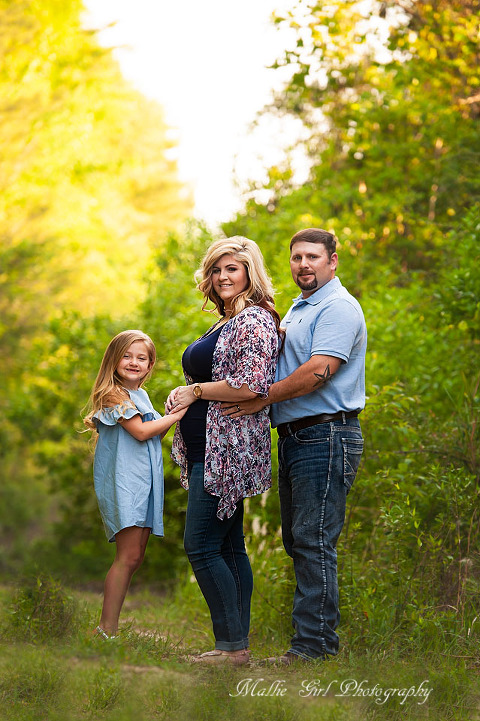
316 235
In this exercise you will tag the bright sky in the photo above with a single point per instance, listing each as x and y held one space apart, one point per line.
205 62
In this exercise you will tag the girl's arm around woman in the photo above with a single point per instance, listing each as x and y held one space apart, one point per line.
142 431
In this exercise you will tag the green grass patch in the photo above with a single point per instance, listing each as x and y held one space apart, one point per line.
145 673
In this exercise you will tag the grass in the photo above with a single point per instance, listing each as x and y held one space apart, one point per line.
68 674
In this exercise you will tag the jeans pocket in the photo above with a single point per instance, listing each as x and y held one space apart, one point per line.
352 453
313 434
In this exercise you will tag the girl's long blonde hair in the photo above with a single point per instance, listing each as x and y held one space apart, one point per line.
107 390
259 290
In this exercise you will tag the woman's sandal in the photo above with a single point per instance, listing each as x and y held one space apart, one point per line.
236 658
100 632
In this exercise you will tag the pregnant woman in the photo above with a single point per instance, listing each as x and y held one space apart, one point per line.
224 460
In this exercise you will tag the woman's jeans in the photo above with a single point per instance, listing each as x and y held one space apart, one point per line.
317 467
216 551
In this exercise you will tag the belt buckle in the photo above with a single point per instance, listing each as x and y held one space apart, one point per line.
287 430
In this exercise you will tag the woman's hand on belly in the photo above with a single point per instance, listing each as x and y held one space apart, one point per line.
180 398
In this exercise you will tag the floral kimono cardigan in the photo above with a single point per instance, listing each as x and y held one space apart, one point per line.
238 450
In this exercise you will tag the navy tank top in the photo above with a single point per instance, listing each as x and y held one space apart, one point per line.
197 363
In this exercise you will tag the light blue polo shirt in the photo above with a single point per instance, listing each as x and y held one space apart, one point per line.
329 322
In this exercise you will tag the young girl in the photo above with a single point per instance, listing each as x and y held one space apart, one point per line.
128 467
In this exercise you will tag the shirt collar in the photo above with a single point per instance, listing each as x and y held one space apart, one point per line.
319 294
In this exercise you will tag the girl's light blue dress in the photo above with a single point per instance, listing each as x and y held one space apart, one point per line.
128 474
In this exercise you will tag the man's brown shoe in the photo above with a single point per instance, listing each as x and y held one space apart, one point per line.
287 659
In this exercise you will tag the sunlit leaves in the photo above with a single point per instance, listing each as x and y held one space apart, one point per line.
388 104
85 168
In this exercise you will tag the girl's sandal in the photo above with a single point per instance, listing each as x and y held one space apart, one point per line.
100 632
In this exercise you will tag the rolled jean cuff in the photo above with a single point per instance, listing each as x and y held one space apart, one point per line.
231 645
306 656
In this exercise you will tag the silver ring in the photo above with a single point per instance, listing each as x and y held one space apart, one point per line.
238 408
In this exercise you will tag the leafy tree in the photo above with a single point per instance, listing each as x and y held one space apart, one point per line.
87 185
87 190
392 127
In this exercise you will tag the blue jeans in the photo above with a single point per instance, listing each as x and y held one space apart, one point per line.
317 467
216 551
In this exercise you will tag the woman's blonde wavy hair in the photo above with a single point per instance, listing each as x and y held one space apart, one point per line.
107 390
259 290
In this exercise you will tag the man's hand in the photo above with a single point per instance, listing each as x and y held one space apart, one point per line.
243 408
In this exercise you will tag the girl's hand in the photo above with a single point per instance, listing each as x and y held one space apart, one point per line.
178 415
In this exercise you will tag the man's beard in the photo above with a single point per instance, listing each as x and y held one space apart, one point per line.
306 285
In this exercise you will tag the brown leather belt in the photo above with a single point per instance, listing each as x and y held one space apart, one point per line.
288 429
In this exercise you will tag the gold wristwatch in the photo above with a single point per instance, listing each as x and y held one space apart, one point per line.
197 390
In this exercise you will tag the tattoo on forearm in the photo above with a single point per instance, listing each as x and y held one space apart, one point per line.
322 378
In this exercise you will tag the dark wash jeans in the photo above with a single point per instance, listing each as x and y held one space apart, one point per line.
216 551
317 467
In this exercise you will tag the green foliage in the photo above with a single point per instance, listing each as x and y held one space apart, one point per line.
87 185
105 690
415 575
34 681
83 677
458 293
392 134
41 611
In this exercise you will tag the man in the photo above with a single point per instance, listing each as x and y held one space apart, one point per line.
316 398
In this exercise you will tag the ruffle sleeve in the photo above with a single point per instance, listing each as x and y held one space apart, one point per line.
252 347
111 416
